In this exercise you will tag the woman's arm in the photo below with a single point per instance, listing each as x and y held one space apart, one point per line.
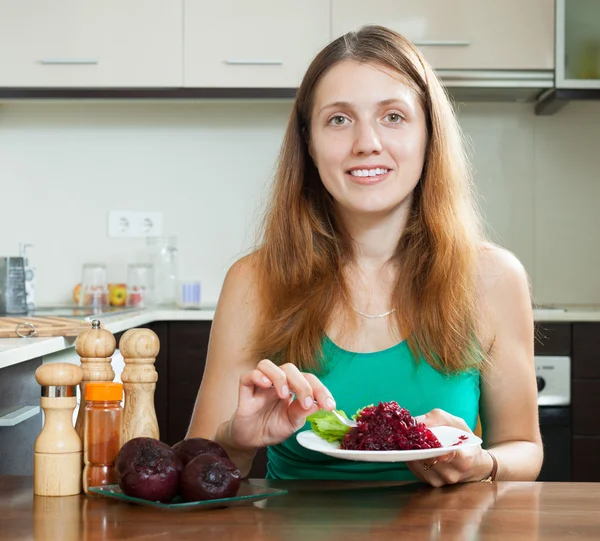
227 360
243 403
508 405
508 388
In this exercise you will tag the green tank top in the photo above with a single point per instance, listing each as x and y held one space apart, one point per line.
359 379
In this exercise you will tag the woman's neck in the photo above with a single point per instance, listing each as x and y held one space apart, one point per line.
375 237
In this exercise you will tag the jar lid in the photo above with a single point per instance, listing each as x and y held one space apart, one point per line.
103 391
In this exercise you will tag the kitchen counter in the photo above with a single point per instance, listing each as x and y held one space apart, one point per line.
17 350
319 511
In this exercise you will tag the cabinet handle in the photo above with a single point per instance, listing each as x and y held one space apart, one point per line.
18 416
441 43
69 61
253 62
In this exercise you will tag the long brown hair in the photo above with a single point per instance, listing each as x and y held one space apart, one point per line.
304 248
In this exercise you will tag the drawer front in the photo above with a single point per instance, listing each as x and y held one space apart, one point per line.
585 401
586 350
552 338
18 388
586 467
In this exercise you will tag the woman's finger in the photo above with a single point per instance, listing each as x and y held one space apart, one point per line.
439 417
424 471
249 382
299 385
448 472
447 458
277 376
297 414
320 392
434 479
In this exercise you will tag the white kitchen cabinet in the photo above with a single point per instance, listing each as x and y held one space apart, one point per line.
91 43
462 34
578 44
243 44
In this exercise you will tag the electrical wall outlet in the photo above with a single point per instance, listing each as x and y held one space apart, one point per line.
129 223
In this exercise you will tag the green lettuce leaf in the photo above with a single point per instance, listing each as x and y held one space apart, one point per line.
326 425
358 411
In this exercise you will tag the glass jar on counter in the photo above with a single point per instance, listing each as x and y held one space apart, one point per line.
163 256
102 433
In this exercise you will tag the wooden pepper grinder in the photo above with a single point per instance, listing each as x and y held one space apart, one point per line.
57 450
139 348
95 347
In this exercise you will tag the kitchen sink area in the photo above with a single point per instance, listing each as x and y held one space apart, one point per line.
81 312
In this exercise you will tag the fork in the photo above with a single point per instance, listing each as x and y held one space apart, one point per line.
342 419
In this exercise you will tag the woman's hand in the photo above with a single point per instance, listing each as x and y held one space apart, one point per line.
471 464
267 412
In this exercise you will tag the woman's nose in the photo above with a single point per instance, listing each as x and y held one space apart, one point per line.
367 140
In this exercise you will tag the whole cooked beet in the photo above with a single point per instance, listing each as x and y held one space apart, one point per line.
148 469
193 447
208 477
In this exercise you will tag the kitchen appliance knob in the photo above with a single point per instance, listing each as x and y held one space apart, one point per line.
541 383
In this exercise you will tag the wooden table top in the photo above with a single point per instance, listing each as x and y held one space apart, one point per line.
319 511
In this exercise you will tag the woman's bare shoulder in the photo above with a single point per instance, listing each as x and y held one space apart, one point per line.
240 285
236 315
504 293
499 269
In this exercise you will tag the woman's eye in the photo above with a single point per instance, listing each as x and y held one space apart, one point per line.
394 118
338 120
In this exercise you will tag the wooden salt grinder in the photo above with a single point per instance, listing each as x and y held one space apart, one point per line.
139 348
95 347
57 451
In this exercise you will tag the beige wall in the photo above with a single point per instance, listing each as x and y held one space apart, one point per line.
63 166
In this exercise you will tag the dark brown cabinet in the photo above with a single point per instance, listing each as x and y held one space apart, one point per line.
580 341
554 339
585 400
586 351
586 452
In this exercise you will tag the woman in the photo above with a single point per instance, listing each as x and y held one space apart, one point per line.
373 283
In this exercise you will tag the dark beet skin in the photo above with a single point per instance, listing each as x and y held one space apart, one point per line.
209 477
193 447
148 469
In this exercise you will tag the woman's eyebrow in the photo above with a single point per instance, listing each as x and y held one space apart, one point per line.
349 105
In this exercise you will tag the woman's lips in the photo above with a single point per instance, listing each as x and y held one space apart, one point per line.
367 181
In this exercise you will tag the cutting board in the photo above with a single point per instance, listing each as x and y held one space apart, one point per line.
41 326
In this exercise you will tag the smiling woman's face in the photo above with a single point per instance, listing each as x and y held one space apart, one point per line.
368 137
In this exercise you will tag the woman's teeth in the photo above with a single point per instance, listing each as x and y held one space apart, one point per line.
368 172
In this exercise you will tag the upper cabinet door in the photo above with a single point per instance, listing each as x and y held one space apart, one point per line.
248 44
91 43
578 44
462 34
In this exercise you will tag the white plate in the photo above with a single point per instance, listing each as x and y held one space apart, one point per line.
446 434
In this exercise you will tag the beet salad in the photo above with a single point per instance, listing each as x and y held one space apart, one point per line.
385 427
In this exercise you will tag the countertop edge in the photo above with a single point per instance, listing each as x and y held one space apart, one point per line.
26 349
62 348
